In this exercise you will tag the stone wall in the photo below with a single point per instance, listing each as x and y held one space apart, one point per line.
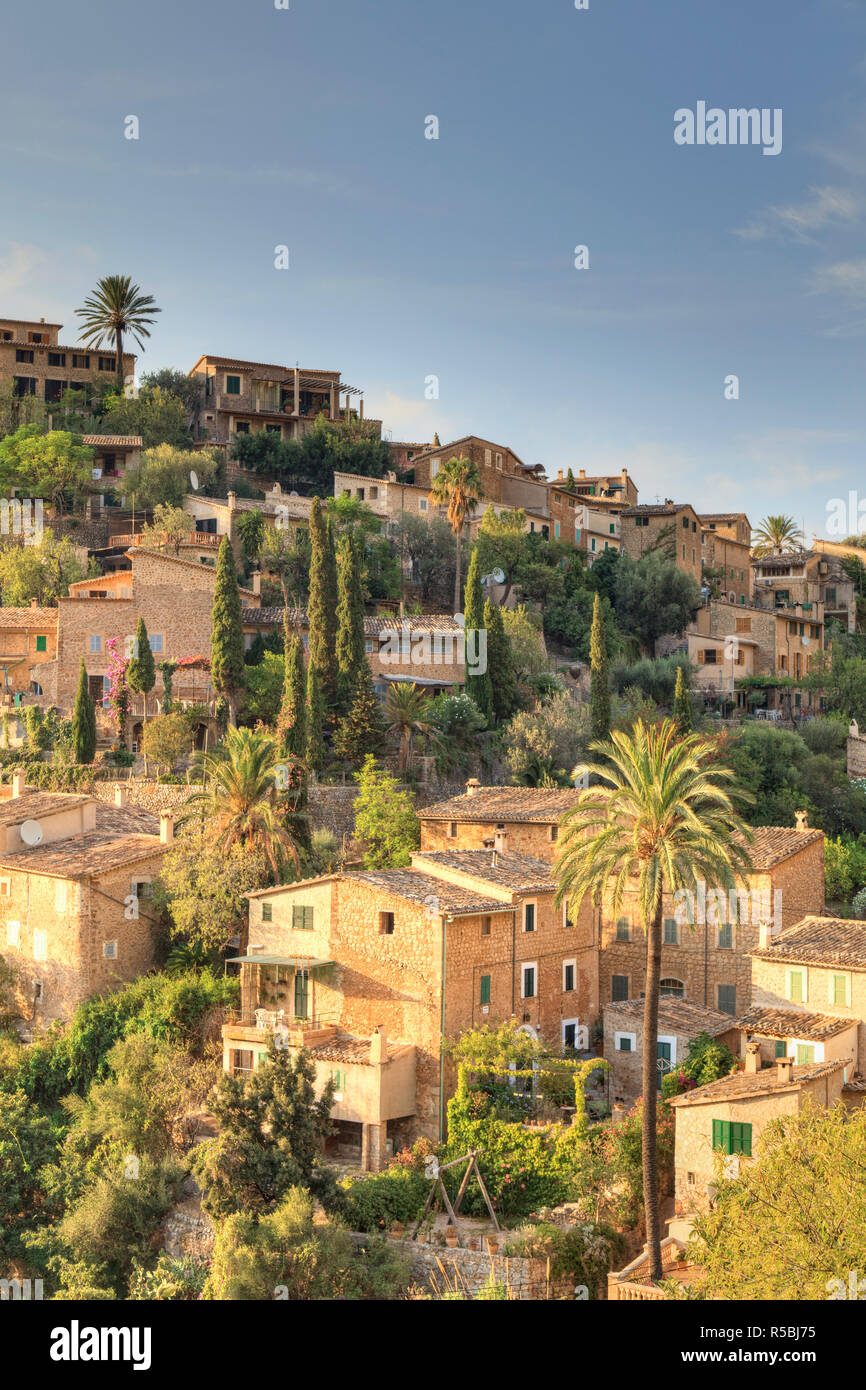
470 1270
856 753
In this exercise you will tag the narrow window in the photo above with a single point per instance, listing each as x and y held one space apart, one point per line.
386 923
267 912
485 989
485 926
568 977
529 917
618 988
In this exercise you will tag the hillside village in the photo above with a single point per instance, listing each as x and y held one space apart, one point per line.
309 830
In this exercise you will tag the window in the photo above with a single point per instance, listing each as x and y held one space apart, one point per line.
422 504
339 1080
485 990
726 937
672 989
569 1035
554 833
60 896
23 355
368 646
35 337
732 1138
685 523
529 916
57 359
556 530
623 931
141 888
81 360
727 999
95 642
670 930
155 640
618 988
568 976
452 830
302 994
40 945
781 1049
107 364
612 528
795 986
625 1042
527 981
267 912
24 386
485 926
805 1054
302 918
386 924
242 427
109 950
499 462
840 990
233 386
5 887
13 934
42 644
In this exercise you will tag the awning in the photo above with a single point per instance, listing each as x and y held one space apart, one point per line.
297 962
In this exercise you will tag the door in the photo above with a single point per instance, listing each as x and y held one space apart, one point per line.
302 994
664 1060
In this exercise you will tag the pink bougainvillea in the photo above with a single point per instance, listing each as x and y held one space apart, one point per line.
116 697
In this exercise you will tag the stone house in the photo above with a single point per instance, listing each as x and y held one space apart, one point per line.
529 815
75 878
726 541
457 940
807 580
775 640
113 455
216 517
679 1023
505 479
28 639
672 527
588 514
37 364
729 1116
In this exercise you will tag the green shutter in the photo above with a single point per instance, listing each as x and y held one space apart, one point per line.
485 989
302 918
840 993
670 931
781 1048
719 1139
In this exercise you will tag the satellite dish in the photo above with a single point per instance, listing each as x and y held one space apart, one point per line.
498 576
193 478
31 832
806 640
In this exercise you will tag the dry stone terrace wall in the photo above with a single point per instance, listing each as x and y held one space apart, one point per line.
470 1270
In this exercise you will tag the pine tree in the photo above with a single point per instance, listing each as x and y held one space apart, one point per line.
350 620
682 704
141 671
292 719
83 721
322 605
315 720
478 686
362 729
500 664
227 635
599 681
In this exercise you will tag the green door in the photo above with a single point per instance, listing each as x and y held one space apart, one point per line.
302 994
664 1061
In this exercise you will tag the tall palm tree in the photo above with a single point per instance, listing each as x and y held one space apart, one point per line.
407 717
659 820
243 777
116 306
776 535
458 483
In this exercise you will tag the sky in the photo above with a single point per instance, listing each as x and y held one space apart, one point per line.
453 258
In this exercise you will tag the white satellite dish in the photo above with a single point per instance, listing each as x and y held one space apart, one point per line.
193 478
806 640
498 576
31 832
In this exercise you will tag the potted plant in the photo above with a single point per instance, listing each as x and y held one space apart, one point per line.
492 1245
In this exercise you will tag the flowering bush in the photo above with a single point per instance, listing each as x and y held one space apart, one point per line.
116 697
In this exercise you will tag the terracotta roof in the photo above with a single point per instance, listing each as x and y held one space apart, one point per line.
820 941
349 1049
500 867
28 617
270 366
722 516
271 616
34 805
82 856
791 1023
419 887
504 804
679 1015
773 843
741 1085
373 627
113 441
657 509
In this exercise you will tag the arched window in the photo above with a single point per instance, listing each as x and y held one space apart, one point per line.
672 989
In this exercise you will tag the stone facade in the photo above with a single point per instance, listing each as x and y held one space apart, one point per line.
34 359
28 639
672 527
678 1025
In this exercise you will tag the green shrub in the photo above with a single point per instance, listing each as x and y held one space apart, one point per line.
581 1253
169 1280
374 1203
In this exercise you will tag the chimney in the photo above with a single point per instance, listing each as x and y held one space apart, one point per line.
753 1058
765 931
560 475
257 583
120 796
500 840
784 1070
624 474
34 603
582 473
472 786
166 827
802 818
233 501
378 1046
18 784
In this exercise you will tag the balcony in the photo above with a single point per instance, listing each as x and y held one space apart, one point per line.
206 540
255 1026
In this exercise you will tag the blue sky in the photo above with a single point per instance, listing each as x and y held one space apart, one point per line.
412 257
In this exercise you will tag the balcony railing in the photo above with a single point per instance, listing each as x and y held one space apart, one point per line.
205 539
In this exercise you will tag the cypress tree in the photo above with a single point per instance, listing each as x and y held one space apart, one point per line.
292 719
362 729
682 704
227 634
500 664
350 620
83 721
315 720
599 682
322 605
141 671
478 687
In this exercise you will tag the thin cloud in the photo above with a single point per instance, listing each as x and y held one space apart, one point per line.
823 207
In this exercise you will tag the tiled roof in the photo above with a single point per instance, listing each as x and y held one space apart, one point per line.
373 627
504 804
773 843
820 941
500 867
269 616
27 617
420 887
791 1023
656 509
113 441
349 1049
80 856
33 805
679 1015
722 516
741 1085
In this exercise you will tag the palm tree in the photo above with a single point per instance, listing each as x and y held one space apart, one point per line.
116 306
458 483
407 717
776 535
242 778
658 821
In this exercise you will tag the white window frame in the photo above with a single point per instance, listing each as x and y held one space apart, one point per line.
13 935
533 903
669 1038
524 966
847 978
789 973
572 961
95 637
152 638
577 1025
617 1040
422 504
40 944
